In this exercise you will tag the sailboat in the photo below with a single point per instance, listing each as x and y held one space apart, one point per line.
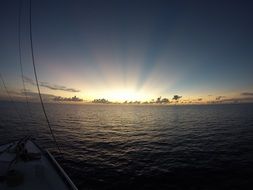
23 164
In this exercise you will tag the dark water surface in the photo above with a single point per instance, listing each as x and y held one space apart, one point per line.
144 147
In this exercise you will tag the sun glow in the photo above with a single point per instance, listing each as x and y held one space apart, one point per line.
125 95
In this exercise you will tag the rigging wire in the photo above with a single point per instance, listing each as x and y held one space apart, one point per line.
20 58
36 77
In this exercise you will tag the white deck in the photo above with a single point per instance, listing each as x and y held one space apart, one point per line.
37 174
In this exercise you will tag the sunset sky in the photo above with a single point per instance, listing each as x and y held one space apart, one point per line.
131 50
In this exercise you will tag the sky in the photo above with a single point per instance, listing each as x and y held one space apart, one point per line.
131 50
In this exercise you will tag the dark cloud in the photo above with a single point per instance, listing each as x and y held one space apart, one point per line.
28 80
247 94
218 98
23 91
50 86
11 94
200 99
33 96
62 99
58 87
238 100
176 97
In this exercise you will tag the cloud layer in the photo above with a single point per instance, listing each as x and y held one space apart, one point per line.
50 86
247 94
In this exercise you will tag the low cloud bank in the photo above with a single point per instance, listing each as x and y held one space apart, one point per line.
72 99
247 94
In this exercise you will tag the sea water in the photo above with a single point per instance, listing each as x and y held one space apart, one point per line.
142 146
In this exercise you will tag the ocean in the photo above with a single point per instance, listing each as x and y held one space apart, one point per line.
142 146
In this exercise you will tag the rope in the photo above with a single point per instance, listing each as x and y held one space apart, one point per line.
36 78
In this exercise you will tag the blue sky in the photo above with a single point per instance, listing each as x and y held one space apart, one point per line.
133 49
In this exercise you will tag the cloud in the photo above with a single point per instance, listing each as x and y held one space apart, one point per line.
176 97
238 100
50 86
28 80
218 98
57 87
247 94
33 96
62 99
